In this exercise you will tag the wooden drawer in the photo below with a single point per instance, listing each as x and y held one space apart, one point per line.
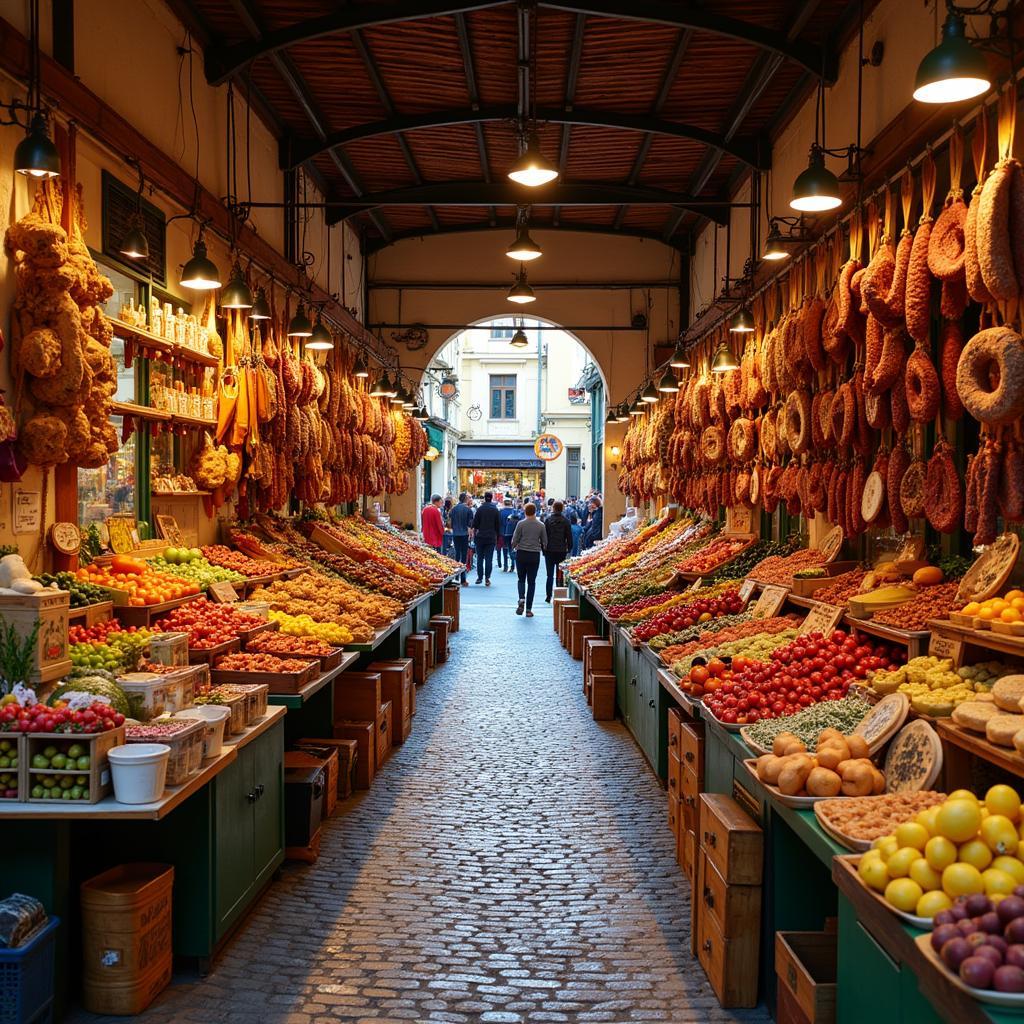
674 779
673 815
689 798
691 746
675 720
733 907
805 963
730 964
689 865
602 696
732 840
597 655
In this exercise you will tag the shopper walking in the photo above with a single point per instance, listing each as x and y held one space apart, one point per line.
505 540
594 529
431 523
559 544
514 517
577 530
486 524
462 526
528 542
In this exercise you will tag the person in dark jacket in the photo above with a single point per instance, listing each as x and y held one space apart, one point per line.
559 544
462 524
508 526
594 529
486 524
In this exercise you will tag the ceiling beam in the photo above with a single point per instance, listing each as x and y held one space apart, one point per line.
466 49
667 80
297 151
508 193
758 79
373 72
223 62
572 75
502 224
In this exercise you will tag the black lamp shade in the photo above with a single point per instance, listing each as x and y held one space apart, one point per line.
533 168
299 326
816 189
236 294
742 321
954 70
668 385
36 155
134 245
524 247
320 340
200 273
260 307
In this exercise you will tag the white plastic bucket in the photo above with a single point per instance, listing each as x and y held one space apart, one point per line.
139 771
216 719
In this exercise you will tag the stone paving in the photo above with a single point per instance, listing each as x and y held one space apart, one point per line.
512 863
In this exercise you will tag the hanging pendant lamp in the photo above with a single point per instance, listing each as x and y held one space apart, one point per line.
649 393
724 360
381 387
533 168
816 189
299 326
524 248
637 408
679 360
668 385
135 245
360 370
320 340
954 70
521 292
200 273
260 307
519 339
622 413
421 414
774 246
236 293
36 155
742 321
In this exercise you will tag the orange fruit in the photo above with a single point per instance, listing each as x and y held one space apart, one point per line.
1009 615
986 612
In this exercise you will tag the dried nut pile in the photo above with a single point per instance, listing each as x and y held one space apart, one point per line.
870 818
930 603
778 569
841 589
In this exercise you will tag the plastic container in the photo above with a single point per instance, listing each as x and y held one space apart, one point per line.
169 648
140 772
26 978
126 937
185 740
255 695
215 718
237 705
151 695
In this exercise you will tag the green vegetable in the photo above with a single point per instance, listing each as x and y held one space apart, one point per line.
98 685
17 654
844 715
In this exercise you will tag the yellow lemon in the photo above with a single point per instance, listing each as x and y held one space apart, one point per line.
925 875
927 818
931 903
898 865
975 853
903 894
959 819
962 794
1012 866
999 834
986 613
874 874
910 833
1017 602
939 852
886 846
1011 595
1003 800
998 881
961 880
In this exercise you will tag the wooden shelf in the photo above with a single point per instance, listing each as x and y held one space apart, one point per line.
196 422
1002 642
180 494
169 349
140 412
975 744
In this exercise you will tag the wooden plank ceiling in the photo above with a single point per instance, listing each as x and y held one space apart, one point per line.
407 109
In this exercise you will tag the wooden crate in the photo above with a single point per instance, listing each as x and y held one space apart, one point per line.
18 745
305 854
689 861
691 748
50 609
559 608
603 696
805 963
417 649
97 774
347 751
733 842
276 682
397 686
452 597
441 626
579 629
733 907
384 732
597 655
673 815
730 962
357 696
365 735
318 757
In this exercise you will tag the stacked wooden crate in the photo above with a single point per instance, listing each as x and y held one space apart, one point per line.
599 677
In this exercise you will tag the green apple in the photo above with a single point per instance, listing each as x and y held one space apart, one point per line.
40 761
81 763
76 792
49 751
38 792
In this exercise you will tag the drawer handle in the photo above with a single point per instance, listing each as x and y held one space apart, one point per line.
710 838
709 897
632 682
671 782
689 756
791 976
251 796
651 704
672 741
260 790
689 801
707 946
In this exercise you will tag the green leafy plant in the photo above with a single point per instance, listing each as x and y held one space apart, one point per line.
16 654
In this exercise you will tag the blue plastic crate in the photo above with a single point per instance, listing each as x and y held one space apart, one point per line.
26 978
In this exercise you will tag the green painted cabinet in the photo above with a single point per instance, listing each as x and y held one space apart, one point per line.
248 826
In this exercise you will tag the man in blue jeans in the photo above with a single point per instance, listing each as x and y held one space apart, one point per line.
508 526
486 524
462 525
505 551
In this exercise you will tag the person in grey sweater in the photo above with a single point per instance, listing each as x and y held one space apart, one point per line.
528 542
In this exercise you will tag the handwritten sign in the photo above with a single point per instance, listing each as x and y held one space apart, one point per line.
27 511
697 584
739 519
746 589
223 591
940 646
822 618
169 530
770 602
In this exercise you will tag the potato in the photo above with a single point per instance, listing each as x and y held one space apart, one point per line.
829 734
794 746
858 746
781 742
791 780
833 753
879 782
764 764
823 782
858 779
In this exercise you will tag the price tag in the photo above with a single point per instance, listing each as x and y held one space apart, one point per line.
697 584
822 618
940 646
746 589
739 519
223 592
770 602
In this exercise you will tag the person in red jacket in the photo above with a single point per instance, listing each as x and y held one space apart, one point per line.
431 523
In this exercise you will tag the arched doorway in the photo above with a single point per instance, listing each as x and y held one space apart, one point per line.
523 404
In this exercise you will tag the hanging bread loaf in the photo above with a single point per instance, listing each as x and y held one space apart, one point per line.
995 250
798 421
990 376
943 495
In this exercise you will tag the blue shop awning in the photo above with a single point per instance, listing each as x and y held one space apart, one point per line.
498 456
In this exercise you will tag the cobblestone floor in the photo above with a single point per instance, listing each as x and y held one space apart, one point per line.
511 864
